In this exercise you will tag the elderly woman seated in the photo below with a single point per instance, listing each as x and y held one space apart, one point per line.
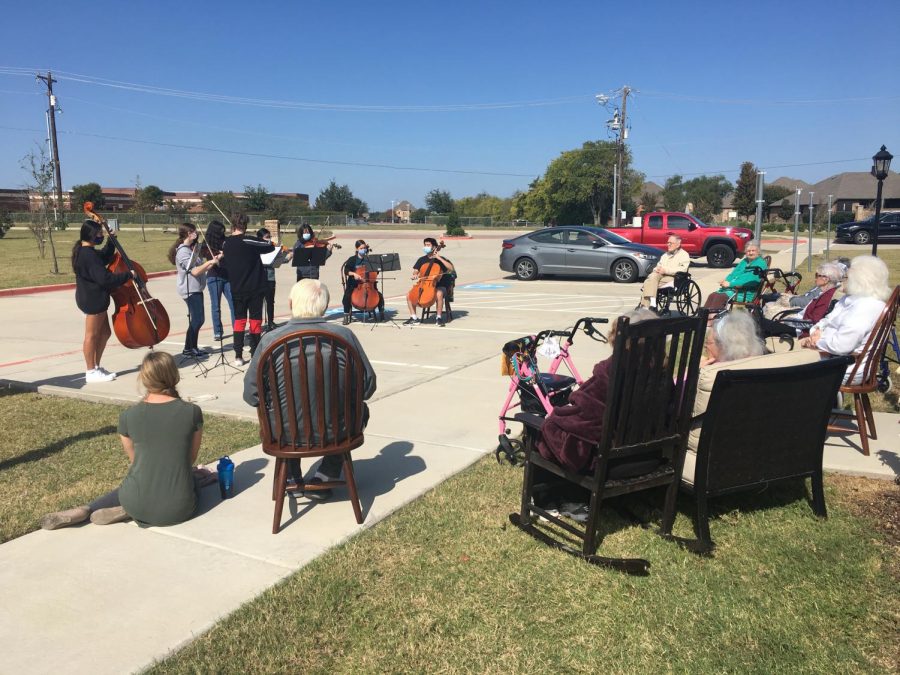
742 283
828 278
846 329
732 336
814 303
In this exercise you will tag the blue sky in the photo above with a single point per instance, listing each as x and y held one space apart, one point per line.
716 85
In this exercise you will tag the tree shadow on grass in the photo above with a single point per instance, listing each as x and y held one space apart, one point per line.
55 447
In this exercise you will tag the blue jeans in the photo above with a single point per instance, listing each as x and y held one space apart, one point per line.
195 319
217 286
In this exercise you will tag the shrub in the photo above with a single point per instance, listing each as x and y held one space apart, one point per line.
5 222
842 217
454 229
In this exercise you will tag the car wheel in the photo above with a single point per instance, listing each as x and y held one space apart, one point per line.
526 269
720 255
862 237
624 271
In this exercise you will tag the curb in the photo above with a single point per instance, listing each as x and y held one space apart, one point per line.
50 288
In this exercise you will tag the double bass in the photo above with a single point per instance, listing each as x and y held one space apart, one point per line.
139 319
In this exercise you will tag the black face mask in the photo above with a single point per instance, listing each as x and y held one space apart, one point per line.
98 239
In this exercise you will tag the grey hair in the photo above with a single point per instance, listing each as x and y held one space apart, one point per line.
309 299
832 271
754 243
736 336
868 277
634 316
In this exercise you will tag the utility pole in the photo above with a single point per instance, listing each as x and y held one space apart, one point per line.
620 155
54 148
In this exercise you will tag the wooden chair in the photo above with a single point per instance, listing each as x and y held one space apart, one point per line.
866 368
794 403
299 417
653 380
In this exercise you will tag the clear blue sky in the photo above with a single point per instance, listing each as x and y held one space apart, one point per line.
712 79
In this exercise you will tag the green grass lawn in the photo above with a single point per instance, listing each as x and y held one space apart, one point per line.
47 467
446 585
22 265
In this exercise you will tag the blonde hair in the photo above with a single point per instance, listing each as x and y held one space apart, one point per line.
159 374
309 299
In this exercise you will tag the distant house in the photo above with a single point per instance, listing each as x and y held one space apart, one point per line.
654 190
401 213
852 192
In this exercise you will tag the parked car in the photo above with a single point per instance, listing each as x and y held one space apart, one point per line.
577 251
863 231
720 244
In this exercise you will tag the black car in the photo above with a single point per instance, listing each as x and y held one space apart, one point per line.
863 231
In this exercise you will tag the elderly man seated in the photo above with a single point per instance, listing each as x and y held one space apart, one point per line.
674 260
308 302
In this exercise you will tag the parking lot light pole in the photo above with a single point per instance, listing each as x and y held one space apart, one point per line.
796 230
828 231
809 255
881 165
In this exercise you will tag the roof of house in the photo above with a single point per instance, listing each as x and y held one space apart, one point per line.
791 183
651 188
853 185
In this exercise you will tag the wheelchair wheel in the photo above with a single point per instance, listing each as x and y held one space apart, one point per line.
688 301
511 450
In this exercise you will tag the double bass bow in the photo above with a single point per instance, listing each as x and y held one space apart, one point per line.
139 319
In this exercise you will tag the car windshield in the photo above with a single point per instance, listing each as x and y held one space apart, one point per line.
607 236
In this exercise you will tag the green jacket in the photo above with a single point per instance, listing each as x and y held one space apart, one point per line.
742 282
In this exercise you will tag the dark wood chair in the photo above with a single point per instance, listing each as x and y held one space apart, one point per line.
794 404
300 417
653 380
866 369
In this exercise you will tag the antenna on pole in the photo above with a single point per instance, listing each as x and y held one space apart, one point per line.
52 104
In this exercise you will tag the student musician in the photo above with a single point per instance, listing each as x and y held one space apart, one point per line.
306 238
443 285
263 234
353 271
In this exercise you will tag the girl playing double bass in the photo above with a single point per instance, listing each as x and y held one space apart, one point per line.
439 267
354 272
93 284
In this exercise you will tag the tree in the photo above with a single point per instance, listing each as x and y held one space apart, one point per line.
44 210
419 215
773 193
257 198
145 199
744 201
340 198
89 192
577 185
176 207
453 228
706 194
439 201
230 205
786 210
673 196
648 201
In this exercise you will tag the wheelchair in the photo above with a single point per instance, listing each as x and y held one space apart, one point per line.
684 293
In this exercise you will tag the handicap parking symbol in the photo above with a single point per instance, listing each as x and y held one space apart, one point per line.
484 287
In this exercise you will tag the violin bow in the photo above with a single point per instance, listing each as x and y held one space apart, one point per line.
230 224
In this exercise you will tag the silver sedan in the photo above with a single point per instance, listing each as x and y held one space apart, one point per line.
577 251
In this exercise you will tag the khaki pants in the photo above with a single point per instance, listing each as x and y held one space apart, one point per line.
652 284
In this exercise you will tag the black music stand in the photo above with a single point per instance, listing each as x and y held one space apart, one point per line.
315 256
381 263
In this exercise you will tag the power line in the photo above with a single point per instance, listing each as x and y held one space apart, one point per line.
292 158
739 101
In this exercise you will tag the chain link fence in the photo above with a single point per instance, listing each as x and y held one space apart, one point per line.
172 220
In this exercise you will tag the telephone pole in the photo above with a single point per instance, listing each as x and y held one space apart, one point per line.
620 155
54 148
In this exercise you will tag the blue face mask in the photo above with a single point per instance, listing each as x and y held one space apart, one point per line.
362 252
307 236
426 249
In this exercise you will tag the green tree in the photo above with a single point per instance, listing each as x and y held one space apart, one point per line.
786 210
439 201
419 215
673 196
577 186
39 183
454 229
230 205
773 193
745 191
257 198
649 201
340 198
149 198
281 209
88 192
706 194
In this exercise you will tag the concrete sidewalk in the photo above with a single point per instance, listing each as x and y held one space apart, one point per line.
113 599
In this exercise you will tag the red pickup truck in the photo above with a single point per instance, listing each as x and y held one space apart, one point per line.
720 245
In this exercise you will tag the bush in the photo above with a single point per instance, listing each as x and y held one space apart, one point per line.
5 223
454 229
842 217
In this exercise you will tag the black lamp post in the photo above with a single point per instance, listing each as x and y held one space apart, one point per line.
881 165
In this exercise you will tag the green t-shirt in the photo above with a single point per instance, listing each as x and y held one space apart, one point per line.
159 487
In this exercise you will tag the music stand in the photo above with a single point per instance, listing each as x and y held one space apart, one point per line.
314 256
384 262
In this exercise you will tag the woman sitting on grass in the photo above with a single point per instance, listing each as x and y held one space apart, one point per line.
161 436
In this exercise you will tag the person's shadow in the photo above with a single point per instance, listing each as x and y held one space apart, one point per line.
374 477
246 474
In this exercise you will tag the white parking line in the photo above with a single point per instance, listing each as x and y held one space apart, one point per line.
408 365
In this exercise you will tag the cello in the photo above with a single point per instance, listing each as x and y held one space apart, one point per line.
139 319
424 291
366 297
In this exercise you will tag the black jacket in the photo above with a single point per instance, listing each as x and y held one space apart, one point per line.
241 261
93 282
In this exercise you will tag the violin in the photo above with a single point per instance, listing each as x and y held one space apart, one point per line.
139 319
321 243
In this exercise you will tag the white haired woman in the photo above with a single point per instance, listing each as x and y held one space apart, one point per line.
828 276
742 282
732 336
847 327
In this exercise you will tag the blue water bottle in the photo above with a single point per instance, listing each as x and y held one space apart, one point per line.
225 468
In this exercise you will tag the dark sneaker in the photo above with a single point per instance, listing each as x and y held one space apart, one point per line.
411 321
381 315
200 354
439 321
347 320
317 495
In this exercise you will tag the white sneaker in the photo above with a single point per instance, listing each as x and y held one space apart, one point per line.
240 362
98 375
106 372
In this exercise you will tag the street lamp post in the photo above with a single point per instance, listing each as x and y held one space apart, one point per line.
392 212
881 165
